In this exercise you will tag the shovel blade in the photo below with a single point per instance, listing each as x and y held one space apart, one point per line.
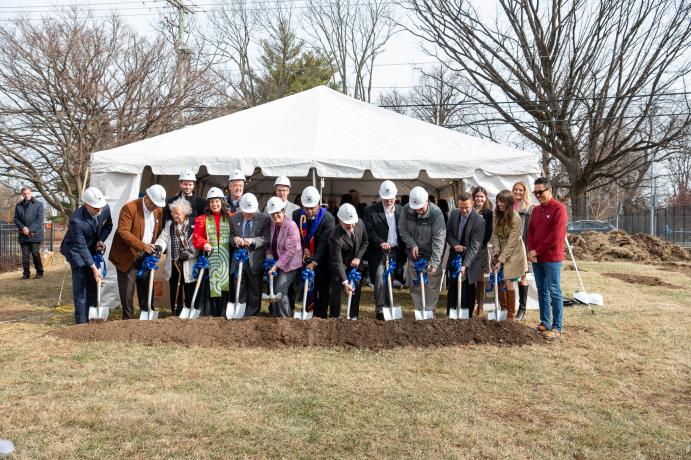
235 310
423 315
185 313
391 314
597 299
461 313
148 315
194 314
103 313
93 313
307 316
492 315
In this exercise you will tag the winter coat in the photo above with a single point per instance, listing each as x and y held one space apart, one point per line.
289 251
427 232
29 214
508 243
188 265
127 243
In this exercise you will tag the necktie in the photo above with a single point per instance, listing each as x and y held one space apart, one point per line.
461 226
246 229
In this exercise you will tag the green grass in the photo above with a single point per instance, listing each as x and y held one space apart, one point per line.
617 385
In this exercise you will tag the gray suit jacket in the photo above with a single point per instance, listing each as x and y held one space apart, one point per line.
261 229
474 232
342 251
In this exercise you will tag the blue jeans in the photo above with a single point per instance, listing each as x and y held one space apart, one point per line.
83 292
548 281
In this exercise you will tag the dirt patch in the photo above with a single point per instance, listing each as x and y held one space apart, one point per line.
642 279
619 245
278 333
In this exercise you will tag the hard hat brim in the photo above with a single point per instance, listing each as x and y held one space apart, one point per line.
352 221
415 207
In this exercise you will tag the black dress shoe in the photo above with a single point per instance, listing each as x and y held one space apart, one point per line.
380 316
39 276
25 277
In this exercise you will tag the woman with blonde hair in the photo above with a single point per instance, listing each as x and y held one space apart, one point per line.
524 208
483 206
508 254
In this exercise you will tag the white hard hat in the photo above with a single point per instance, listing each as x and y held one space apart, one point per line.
387 190
275 204
94 197
215 192
418 197
236 175
347 214
188 174
310 197
157 194
282 180
249 203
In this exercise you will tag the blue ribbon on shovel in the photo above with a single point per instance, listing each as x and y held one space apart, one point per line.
100 264
267 265
308 277
389 271
420 269
241 255
150 263
500 279
456 265
202 262
354 276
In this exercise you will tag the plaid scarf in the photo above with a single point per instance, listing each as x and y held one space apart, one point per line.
179 238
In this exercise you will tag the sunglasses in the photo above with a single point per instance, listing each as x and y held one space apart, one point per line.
539 192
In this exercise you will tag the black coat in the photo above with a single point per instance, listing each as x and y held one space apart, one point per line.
83 232
321 236
474 232
378 232
342 249
198 207
29 214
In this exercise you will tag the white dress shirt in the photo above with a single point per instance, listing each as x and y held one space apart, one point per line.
149 224
392 238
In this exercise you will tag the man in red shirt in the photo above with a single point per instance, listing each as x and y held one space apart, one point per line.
546 233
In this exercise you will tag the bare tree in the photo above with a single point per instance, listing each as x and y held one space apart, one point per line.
73 85
581 79
679 176
394 100
436 98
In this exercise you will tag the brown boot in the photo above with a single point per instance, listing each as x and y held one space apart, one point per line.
502 299
510 305
479 298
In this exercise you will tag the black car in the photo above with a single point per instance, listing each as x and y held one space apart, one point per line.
581 226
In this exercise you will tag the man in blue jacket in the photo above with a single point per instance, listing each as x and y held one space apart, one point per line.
83 247
28 217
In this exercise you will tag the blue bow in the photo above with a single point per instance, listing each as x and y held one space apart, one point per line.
308 277
456 265
390 270
354 276
202 262
268 265
420 267
241 255
150 263
500 279
100 264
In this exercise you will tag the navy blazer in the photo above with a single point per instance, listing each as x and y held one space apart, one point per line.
83 233
30 215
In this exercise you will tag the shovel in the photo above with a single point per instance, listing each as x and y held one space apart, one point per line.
350 299
236 310
424 314
458 312
393 312
191 312
498 314
150 314
272 296
98 312
582 296
177 291
304 314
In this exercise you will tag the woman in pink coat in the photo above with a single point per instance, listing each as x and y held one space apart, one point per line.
284 246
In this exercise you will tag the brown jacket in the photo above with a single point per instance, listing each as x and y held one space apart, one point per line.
509 245
127 242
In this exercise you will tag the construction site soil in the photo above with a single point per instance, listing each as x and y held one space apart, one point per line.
642 280
619 245
263 332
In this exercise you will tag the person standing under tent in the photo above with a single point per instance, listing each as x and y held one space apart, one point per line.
423 231
176 241
282 190
316 224
236 188
139 223
187 182
465 230
546 234
483 206
523 208
83 248
284 247
381 222
212 234
251 229
508 256
28 218
347 245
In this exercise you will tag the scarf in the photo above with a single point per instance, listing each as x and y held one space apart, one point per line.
179 239
308 237
219 261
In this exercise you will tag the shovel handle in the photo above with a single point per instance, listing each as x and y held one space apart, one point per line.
238 281
271 286
422 292
98 293
350 299
151 288
305 290
196 286
497 307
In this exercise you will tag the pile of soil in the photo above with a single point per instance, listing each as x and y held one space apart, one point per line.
619 245
642 279
278 333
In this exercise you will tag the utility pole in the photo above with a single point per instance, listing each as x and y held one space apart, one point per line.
653 184
183 53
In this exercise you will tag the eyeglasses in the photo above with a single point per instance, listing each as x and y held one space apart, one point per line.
539 192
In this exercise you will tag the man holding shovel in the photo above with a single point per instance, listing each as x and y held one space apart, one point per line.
546 234
89 227
347 245
423 231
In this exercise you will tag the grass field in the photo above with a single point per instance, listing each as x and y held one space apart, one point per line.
618 385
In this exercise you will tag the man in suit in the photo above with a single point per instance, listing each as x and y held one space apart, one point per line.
381 223
187 181
316 224
89 227
28 218
347 245
236 187
139 224
282 191
252 230
464 233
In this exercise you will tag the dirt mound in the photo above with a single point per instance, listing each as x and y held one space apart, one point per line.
642 279
276 333
619 245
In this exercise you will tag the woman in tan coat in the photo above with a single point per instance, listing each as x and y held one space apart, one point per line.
508 253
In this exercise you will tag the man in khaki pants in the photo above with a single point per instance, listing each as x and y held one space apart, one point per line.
423 230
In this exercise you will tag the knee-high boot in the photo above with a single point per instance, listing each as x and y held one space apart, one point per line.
479 298
510 305
522 301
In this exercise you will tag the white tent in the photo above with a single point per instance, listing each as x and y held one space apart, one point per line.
318 133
